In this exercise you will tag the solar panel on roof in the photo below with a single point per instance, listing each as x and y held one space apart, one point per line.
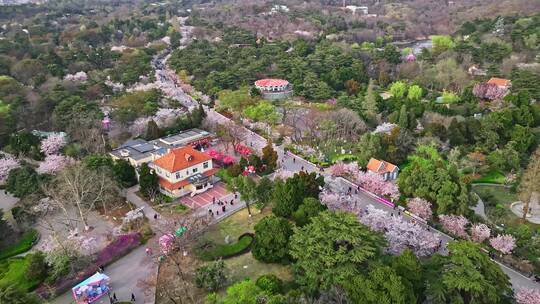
144 148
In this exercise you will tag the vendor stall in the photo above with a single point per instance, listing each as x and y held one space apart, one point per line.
91 289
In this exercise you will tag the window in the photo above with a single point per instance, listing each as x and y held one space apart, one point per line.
195 170
205 165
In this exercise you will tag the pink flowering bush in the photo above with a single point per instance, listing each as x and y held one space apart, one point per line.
215 155
527 296
489 91
242 150
375 183
480 232
54 163
455 224
503 243
7 163
228 160
53 143
118 248
420 207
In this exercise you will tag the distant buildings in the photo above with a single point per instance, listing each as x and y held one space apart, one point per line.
476 71
139 151
387 170
354 9
274 89
184 171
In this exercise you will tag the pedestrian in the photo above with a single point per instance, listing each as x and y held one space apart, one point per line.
235 196
133 297
114 297
302 169
148 251
355 191
213 199
217 212
294 160
358 187
395 206
399 213
232 202
392 214
155 216
223 208
209 211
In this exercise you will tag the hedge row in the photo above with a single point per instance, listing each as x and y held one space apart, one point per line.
242 246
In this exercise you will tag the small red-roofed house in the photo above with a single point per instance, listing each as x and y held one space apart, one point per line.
184 171
500 82
387 170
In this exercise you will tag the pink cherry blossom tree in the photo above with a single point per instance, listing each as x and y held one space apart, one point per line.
375 183
403 235
489 91
503 243
54 163
480 232
455 224
7 163
420 207
53 143
330 199
400 233
344 170
527 296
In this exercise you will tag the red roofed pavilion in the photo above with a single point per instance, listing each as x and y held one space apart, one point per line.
274 89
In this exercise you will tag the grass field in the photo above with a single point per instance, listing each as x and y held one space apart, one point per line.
244 266
497 200
493 177
25 243
12 271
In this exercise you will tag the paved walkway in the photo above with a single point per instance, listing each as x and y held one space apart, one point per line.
210 196
130 269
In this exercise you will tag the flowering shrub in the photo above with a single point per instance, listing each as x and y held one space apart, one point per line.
480 232
54 163
420 207
489 91
385 128
243 150
7 163
77 77
504 243
227 160
528 296
375 183
53 143
455 224
117 248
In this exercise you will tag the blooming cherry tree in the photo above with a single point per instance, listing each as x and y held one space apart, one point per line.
375 183
455 224
504 243
53 143
420 207
330 199
480 232
344 170
489 91
400 233
77 77
528 296
54 163
7 163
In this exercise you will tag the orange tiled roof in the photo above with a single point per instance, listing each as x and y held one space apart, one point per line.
499 81
172 186
181 158
380 166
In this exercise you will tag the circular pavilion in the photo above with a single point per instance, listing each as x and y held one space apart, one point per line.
274 89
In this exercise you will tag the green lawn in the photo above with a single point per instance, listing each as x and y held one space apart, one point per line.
246 266
25 243
12 272
493 177
235 225
216 251
497 200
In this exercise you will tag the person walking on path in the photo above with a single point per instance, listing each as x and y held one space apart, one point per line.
114 297
133 297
